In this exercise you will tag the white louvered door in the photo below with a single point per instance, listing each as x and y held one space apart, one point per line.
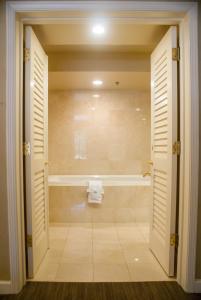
163 136
36 122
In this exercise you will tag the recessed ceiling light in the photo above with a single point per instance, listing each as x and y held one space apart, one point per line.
143 119
98 29
97 82
138 109
96 96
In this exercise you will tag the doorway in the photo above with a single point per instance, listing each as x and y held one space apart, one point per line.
100 133
191 14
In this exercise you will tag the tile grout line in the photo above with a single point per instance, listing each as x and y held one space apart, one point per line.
92 251
59 262
121 246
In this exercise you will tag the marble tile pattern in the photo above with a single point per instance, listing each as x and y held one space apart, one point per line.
120 204
105 135
99 252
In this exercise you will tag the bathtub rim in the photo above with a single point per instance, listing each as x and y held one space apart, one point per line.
107 180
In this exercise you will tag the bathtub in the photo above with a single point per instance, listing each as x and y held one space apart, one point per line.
107 180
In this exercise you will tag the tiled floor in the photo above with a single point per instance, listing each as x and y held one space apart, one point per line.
99 252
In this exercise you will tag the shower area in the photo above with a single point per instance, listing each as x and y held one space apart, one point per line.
99 191
102 140
99 151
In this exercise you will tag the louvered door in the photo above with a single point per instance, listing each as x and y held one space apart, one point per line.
164 135
36 112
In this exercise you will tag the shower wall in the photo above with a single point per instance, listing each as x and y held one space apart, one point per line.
109 135
106 135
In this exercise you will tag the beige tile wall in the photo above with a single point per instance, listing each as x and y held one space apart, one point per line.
116 140
120 204
112 135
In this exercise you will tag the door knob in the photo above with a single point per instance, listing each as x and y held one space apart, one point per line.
46 162
150 162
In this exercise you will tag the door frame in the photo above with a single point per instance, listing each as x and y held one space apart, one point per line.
187 19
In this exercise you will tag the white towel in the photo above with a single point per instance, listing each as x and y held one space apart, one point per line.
95 191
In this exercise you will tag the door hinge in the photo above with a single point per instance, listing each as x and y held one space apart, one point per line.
29 240
176 54
26 54
26 149
176 148
174 240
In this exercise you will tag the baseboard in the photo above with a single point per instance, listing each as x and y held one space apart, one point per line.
197 286
5 287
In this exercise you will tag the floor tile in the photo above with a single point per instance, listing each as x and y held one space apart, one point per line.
79 233
57 244
105 237
144 271
75 272
104 226
53 255
130 236
138 252
100 252
59 225
105 234
106 244
127 225
58 232
108 256
79 243
144 229
111 273
80 225
77 255
47 271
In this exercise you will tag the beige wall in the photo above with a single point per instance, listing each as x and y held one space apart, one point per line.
99 136
4 250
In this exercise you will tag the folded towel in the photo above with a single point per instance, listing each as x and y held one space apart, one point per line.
95 185
95 191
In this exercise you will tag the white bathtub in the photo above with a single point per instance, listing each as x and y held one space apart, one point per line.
107 180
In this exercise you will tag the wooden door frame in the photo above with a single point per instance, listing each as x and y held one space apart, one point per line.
189 116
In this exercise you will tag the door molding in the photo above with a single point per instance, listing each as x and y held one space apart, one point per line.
188 24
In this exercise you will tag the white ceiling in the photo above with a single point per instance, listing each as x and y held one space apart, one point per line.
58 37
76 56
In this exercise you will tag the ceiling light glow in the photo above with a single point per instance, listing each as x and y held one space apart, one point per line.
97 82
98 29
138 109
